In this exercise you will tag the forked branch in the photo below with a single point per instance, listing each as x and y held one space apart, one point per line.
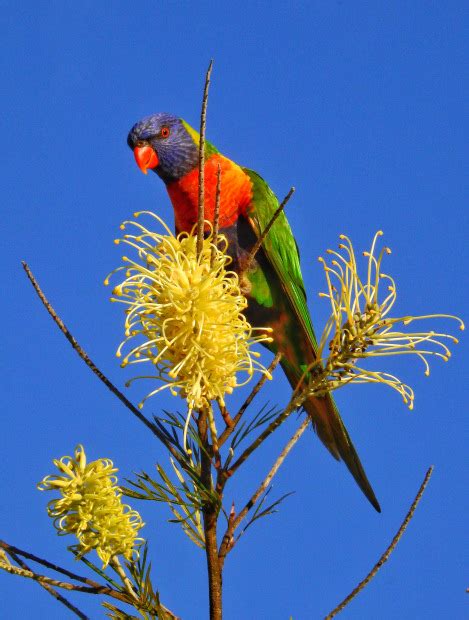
235 521
48 587
90 587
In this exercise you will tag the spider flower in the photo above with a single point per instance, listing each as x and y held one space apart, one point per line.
186 312
90 507
361 326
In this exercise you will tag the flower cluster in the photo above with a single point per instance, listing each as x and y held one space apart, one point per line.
90 507
186 310
361 327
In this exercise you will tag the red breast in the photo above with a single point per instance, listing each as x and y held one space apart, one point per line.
235 194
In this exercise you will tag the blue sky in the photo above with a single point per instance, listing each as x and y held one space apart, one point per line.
360 106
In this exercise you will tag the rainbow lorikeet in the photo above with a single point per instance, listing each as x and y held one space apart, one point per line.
274 286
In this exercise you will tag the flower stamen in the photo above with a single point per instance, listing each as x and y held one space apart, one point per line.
361 327
90 507
188 309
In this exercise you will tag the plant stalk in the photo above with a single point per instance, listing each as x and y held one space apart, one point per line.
210 514
213 565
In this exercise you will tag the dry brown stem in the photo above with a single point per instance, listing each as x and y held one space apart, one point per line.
203 123
47 586
90 587
385 557
255 390
92 366
210 516
235 520
256 247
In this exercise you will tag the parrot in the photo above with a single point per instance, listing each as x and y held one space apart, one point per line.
273 284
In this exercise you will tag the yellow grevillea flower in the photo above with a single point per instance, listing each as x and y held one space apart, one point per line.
186 312
361 326
90 507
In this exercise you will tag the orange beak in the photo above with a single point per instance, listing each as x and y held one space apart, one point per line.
146 158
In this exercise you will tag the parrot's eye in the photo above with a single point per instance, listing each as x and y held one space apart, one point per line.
164 133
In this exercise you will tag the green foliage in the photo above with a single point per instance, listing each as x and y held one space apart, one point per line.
184 502
96 569
263 416
147 602
259 512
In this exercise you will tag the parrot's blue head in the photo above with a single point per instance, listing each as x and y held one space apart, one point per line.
165 144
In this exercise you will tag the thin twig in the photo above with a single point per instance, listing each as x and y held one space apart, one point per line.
11 549
233 524
256 389
210 512
216 215
388 551
117 566
256 247
274 469
203 122
84 356
93 586
14 570
292 405
115 562
52 591
210 516
227 419
214 436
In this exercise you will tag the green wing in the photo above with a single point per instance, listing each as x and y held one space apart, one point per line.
282 252
281 249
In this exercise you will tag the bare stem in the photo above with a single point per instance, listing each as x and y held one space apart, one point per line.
292 405
274 469
210 511
11 549
256 389
91 587
203 122
210 514
214 437
227 419
84 356
52 591
256 247
227 543
115 563
14 570
385 557
216 215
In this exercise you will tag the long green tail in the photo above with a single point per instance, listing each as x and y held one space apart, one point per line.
333 434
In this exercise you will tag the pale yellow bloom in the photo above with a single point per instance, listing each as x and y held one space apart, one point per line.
186 312
361 326
90 507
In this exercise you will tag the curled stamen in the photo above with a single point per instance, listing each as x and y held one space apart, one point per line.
90 507
187 309
360 327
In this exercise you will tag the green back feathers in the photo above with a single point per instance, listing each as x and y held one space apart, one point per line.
281 249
